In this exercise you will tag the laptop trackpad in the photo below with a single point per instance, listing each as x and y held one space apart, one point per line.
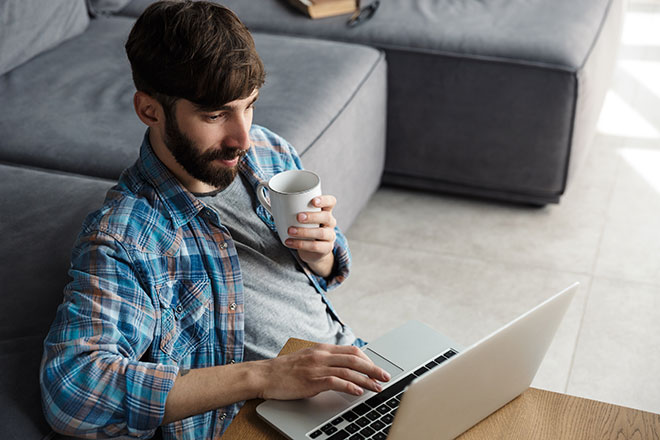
382 363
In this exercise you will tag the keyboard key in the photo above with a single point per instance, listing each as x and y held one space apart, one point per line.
450 353
387 419
378 399
337 421
440 359
352 428
377 425
383 409
340 435
324 427
431 365
387 430
315 433
367 432
379 436
349 416
386 394
357 436
361 409
421 370
373 415
362 422
330 430
393 403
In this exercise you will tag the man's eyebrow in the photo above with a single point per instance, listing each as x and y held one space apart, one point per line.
203 109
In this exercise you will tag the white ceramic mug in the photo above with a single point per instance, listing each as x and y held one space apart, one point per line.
291 192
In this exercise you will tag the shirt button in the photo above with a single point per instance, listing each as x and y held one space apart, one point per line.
179 308
223 245
223 416
232 361
232 306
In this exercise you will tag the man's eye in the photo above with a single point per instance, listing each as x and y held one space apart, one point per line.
214 117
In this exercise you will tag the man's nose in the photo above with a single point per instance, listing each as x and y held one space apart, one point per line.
239 133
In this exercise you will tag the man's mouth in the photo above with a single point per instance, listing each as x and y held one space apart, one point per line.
229 157
230 162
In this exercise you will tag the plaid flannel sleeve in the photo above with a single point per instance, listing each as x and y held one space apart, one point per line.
92 381
341 251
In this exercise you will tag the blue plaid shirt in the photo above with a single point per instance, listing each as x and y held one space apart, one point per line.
156 286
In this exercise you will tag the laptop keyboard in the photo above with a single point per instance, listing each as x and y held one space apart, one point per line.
373 418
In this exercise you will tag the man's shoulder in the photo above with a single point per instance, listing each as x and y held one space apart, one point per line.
270 153
262 138
134 219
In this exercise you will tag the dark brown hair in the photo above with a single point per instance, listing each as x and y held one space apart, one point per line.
195 50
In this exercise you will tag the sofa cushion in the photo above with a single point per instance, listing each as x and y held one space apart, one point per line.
558 32
85 122
30 27
41 216
104 7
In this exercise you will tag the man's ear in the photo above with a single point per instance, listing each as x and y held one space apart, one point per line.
148 109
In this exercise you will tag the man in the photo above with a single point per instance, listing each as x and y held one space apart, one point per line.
181 293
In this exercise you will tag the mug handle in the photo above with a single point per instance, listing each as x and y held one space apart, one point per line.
262 197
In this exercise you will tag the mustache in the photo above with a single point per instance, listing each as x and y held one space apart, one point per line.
225 153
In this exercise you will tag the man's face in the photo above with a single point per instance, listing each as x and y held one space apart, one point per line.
209 144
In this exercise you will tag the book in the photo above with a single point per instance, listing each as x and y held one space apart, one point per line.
325 8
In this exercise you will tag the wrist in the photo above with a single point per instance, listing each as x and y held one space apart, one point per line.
324 266
257 380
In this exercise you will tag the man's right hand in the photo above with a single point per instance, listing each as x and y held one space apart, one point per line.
308 372
297 375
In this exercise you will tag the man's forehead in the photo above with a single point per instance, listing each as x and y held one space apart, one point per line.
237 103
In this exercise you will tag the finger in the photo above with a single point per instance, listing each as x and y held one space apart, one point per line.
353 377
313 246
323 234
322 218
360 365
324 202
334 383
344 349
351 351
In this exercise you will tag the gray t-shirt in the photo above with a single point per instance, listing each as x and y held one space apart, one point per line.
280 301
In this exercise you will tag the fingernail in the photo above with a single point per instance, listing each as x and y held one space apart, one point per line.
293 231
302 217
288 242
358 391
387 376
379 387
317 201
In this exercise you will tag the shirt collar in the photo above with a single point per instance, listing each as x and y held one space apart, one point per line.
181 205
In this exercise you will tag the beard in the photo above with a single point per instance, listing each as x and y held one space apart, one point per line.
198 164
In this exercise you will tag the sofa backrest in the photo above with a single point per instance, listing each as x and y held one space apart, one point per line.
30 27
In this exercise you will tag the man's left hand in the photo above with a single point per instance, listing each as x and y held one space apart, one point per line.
315 245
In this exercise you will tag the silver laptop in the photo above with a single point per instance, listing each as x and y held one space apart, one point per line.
437 390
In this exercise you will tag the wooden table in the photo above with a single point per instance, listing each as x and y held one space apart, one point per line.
535 414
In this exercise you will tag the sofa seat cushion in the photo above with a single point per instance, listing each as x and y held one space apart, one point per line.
41 216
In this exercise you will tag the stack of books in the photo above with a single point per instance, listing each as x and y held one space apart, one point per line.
325 8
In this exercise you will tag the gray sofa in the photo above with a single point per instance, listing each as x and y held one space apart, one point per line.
424 96
495 98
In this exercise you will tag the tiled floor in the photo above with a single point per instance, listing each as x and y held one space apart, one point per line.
466 267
